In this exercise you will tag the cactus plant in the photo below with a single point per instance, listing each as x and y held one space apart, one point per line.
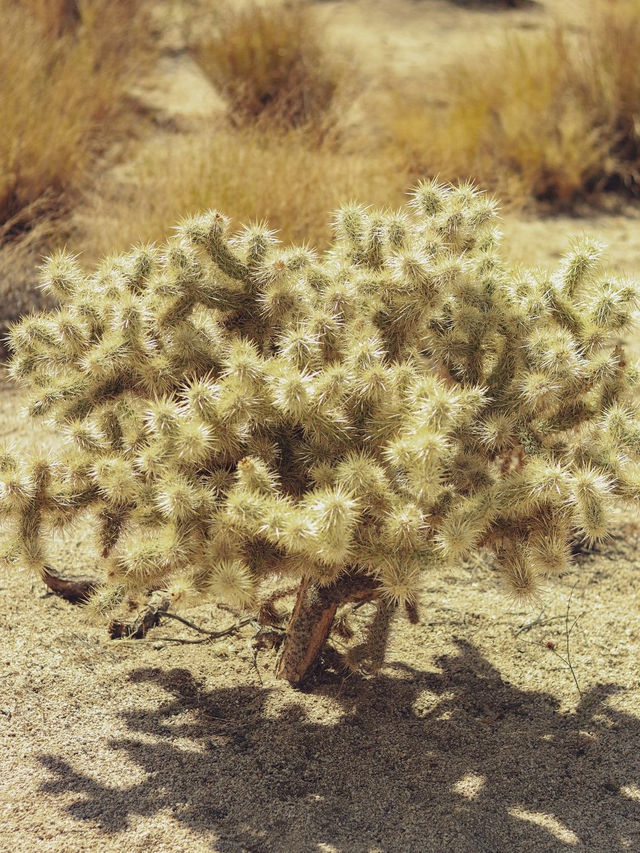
236 411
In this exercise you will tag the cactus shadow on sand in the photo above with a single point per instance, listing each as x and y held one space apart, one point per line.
455 760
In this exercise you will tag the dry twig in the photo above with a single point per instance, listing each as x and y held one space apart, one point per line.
74 591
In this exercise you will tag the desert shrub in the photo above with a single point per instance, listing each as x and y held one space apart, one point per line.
65 69
270 62
550 117
612 84
236 411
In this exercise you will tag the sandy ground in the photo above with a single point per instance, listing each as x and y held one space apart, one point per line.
477 735
474 737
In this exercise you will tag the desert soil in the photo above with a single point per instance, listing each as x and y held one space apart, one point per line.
493 727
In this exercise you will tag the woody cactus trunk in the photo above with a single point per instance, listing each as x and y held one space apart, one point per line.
236 412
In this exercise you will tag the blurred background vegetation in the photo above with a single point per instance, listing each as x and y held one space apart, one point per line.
544 111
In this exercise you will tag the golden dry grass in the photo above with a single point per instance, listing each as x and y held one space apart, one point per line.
552 116
549 115
65 69
270 62
283 177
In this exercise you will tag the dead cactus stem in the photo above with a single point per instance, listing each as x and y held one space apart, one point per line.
312 619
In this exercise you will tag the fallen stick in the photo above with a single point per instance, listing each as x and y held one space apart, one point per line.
74 591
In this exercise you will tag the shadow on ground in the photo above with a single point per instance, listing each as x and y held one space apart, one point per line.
455 760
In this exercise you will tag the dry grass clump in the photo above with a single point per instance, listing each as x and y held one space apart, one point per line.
270 62
282 155
552 117
65 67
55 16
250 174
611 57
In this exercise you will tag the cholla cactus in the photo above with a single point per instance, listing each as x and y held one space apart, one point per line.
236 411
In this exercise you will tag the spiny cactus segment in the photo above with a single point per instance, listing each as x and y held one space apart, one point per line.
235 410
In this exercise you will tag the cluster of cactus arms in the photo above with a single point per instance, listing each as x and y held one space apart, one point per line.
235 412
